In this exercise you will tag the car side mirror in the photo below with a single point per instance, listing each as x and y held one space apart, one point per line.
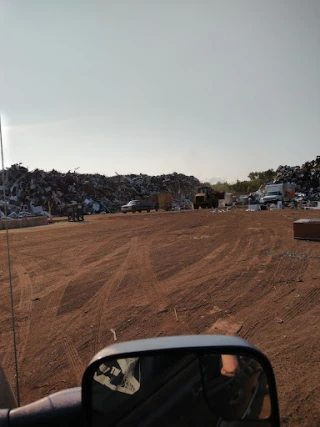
180 381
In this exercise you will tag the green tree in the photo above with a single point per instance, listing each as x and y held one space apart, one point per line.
256 179
222 186
261 178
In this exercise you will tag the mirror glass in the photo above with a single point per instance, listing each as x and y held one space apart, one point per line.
175 388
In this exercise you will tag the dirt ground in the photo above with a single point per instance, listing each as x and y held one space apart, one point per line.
239 273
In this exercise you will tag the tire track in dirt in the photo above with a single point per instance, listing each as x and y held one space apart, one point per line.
282 270
249 264
190 297
34 313
196 274
42 261
111 286
204 284
202 235
47 309
73 357
256 241
222 271
158 300
8 354
83 254
80 272
42 314
245 243
250 253
115 281
4 308
223 248
138 255
198 271
87 253
91 304
150 285
264 315
25 309
303 304
55 331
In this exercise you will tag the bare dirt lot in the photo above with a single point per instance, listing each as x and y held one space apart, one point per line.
240 273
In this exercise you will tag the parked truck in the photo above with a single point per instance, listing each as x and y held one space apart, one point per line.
279 193
207 197
154 201
137 206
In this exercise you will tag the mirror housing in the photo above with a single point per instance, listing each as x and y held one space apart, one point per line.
197 348
7 397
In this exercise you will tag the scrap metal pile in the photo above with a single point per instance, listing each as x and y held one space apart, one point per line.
43 191
305 177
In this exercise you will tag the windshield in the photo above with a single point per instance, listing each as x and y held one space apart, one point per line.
274 193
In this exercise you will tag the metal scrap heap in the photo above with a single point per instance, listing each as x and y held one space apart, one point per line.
43 191
305 177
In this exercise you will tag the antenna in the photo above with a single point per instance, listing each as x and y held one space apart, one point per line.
10 275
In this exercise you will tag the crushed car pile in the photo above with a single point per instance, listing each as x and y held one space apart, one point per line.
306 179
43 192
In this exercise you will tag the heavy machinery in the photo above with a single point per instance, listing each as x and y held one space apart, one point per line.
207 197
75 212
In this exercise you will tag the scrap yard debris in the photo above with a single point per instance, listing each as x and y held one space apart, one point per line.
295 186
37 192
306 179
46 193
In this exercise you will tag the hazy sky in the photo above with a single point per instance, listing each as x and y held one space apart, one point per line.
205 87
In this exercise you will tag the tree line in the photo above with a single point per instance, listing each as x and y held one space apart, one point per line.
255 181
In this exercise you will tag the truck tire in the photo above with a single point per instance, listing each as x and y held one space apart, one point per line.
134 210
148 210
139 210
196 206
124 212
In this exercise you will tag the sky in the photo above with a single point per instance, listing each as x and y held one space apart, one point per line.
214 89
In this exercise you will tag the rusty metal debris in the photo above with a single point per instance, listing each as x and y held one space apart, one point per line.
306 179
46 193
